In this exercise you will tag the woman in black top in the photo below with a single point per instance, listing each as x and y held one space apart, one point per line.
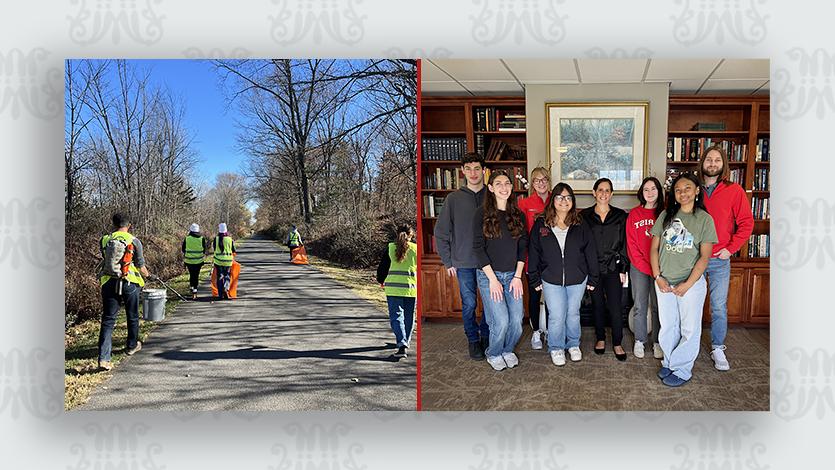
500 242
562 263
608 224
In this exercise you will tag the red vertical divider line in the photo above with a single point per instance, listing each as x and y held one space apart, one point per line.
420 240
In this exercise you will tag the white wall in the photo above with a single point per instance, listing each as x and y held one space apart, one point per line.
656 94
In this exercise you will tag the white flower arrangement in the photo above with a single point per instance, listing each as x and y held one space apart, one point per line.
524 181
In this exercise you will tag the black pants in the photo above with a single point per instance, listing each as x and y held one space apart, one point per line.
534 296
608 294
223 277
194 274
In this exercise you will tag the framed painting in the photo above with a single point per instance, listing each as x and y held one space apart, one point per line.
588 141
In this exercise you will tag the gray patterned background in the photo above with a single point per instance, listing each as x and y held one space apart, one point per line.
35 37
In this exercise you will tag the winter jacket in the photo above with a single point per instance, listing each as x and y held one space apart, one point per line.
454 228
731 214
610 238
546 261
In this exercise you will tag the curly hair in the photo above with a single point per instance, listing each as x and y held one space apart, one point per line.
673 206
514 216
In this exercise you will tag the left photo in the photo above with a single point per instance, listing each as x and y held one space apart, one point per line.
240 234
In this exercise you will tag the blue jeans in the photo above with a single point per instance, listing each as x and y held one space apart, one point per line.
504 316
718 274
111 301
681 327
564 321
402 318
469 289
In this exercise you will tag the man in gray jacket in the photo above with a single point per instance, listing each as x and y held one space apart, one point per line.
454 238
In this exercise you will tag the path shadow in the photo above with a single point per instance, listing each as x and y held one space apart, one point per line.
260 352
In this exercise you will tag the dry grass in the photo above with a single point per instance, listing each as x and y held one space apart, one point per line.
81 374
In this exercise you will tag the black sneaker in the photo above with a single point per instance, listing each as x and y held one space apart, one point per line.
401 352
476 353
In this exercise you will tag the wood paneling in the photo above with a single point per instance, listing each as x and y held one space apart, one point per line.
760 311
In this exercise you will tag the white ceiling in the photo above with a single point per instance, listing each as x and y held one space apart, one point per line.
509 76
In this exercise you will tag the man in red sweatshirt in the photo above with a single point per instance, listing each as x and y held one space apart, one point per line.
731 211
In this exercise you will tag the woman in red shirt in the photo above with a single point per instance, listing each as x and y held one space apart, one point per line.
532 206
638 240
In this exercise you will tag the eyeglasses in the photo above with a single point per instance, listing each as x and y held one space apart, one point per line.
561 198
540 180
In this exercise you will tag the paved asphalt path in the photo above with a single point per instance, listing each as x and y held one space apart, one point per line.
293 340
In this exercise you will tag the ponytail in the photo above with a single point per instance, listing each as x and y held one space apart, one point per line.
404 235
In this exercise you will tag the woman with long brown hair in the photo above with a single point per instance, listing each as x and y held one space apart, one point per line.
500 244
562 263
397 272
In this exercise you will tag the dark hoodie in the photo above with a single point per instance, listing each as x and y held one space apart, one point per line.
454 229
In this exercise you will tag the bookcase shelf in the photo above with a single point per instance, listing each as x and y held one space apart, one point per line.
746 121
461 117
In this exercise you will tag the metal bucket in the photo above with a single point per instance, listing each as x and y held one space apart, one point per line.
153 304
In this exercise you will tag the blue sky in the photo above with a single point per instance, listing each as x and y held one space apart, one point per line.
210 120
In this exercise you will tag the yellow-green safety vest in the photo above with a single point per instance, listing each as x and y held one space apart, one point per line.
402 277
223 255
294 238
133 272
194 250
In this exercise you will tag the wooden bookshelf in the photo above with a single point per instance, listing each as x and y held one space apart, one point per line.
746 121
451 118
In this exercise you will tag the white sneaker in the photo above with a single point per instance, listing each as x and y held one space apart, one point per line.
657 352
575 354
497 362
638 350
719 359
558 357
511 360
536 342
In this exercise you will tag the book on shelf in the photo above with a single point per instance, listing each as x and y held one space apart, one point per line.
479 145
759 207
495 151
684 149
763 150
761 181
490 119
709 126
758 246
432 205
737 175
443 148
443 178
513 172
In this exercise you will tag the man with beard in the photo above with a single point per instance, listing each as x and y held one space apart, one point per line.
731 211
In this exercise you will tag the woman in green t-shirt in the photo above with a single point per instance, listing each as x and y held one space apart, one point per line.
682 240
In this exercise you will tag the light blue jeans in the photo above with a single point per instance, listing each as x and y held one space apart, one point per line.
681 327
504 316
401 318
564 322
718 273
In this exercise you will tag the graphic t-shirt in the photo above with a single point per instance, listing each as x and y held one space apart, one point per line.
680 242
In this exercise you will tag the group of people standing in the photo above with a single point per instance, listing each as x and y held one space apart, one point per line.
663 248
195 247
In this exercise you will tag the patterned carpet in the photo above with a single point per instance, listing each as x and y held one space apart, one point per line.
450 380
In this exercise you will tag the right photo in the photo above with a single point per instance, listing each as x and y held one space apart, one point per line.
594 234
